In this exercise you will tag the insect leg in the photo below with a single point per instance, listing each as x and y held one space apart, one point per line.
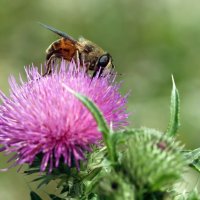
98 71
85 64
50 62
77 58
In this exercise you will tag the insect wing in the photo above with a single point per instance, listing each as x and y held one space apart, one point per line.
58 32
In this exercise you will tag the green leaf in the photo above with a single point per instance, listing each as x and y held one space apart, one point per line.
31 171
35 196
39 178
193 158
42 183
174 121
196 165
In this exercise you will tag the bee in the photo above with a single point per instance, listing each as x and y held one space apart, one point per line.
88 53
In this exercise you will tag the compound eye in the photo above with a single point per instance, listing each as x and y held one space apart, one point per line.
103 60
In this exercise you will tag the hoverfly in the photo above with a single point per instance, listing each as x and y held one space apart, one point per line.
87 52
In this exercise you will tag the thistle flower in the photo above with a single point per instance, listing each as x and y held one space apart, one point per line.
40 117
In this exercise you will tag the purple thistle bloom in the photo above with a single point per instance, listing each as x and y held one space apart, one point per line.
41 117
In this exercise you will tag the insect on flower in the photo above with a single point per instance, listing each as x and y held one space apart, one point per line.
62 133
87 52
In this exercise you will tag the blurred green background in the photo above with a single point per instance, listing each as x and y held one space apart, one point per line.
149 41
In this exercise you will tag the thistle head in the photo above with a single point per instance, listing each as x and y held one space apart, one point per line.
40 117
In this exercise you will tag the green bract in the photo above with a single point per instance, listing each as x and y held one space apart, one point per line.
152 160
